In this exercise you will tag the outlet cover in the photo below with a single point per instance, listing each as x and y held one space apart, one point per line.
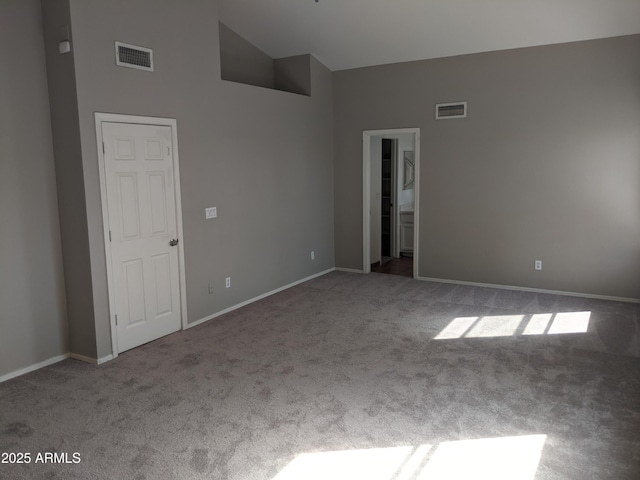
538 265
313 255
210 212
228 282
210 288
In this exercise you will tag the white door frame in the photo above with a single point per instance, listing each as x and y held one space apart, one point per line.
366 193
139 120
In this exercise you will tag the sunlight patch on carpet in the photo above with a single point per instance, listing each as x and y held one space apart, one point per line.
513 325
372 464
506 458
503 458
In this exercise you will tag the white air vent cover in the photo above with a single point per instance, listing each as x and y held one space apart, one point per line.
451 110
133 56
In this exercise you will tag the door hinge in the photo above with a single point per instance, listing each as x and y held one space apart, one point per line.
109 235
169 151
116 319
103 149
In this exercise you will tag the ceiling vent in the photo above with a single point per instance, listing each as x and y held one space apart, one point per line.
451 110
133 56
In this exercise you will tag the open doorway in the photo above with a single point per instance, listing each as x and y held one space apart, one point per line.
383 200
390 213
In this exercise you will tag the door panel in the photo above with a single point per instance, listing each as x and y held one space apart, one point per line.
129 206
162 281
142 221
133 291
158 202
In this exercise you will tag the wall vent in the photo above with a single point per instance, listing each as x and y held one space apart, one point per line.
133 56
451 110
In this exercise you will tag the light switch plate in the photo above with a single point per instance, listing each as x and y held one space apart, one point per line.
64 46
210 212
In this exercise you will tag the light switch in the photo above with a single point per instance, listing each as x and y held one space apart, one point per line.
64 46
210 212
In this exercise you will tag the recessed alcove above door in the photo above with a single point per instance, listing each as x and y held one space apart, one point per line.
243 62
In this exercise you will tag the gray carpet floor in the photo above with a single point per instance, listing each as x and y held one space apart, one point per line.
350 376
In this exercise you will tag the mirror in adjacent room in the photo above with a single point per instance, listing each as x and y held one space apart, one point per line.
408 170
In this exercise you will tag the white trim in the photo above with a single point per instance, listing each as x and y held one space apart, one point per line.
534 290
259 297
83 358
366 203
31 368
139 120
416 203
92 361
53 360
366 194
105 359
348 270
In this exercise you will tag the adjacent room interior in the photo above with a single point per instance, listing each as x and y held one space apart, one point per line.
309 239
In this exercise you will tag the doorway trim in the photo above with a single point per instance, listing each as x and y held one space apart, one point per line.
101 118
366 194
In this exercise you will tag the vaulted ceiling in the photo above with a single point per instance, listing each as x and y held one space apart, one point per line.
355 33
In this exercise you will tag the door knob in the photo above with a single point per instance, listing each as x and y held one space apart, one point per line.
173 242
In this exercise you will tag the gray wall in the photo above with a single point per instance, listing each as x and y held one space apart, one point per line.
546 166
240 61
293 74
69 178
32 297
263 157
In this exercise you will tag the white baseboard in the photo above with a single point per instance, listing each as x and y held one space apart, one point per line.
255 299
99 361
93 361
51 361
83 358
534 290
105 359
348 270
31 368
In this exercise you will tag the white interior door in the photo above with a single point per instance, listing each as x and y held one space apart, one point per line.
138 165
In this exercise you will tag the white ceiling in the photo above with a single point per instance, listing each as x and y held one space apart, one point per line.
346 34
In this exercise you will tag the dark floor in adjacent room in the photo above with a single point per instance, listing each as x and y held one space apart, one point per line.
349 376
402 266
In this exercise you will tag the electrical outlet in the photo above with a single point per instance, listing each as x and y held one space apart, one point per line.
227 283
538 265
210 212
210 288
313 255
